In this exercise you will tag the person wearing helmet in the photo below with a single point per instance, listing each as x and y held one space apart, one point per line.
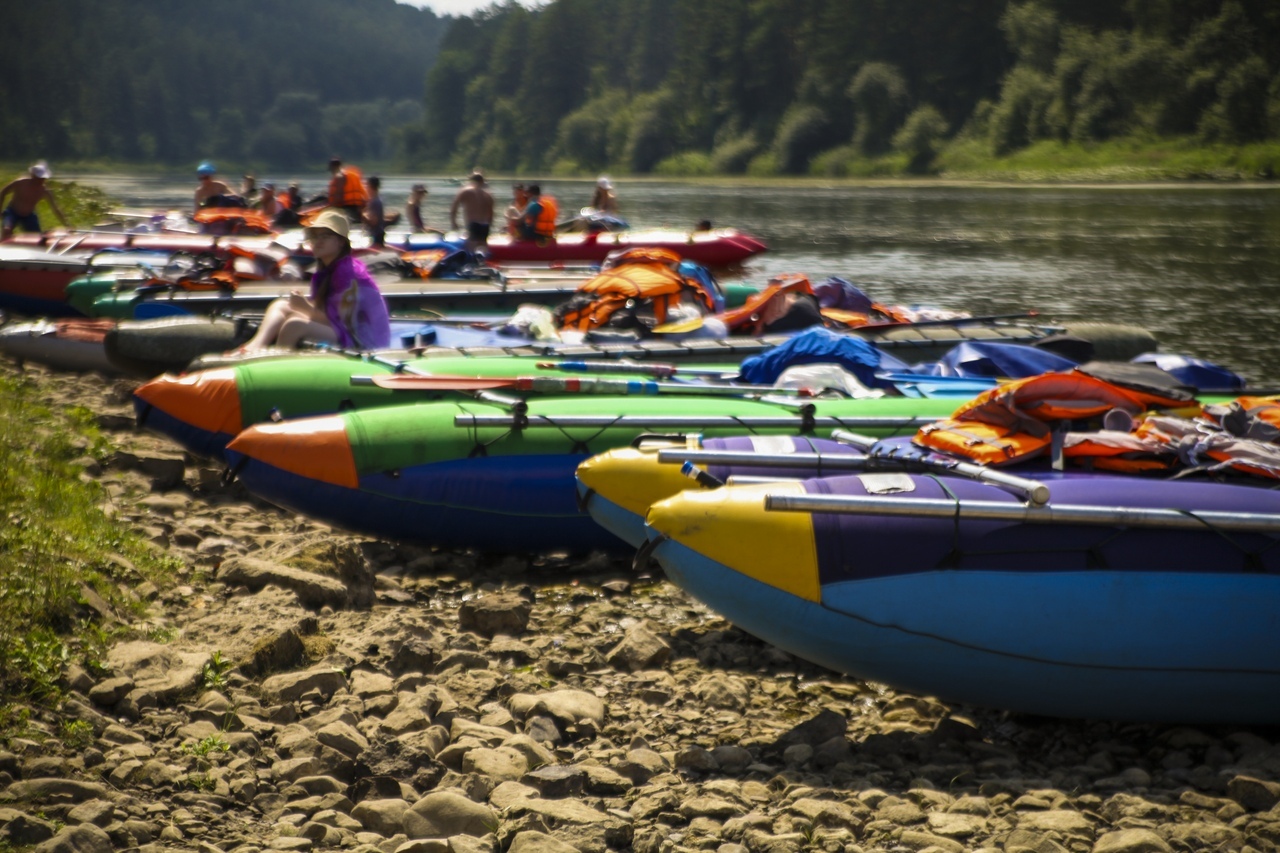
211 192
344 307
27 191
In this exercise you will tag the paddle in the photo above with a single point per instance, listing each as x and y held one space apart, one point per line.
695 323
679 327
1125 516
1035 492
566 385
661 370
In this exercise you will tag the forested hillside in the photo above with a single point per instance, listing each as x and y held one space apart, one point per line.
842 86
269 81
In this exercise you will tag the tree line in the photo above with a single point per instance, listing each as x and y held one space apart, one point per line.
276 82
667 86
818 86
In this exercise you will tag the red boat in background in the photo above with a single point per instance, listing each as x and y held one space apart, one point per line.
718 248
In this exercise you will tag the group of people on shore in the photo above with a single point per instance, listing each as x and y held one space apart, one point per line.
344 305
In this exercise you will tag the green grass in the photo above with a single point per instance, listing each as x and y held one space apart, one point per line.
56 543
1115 161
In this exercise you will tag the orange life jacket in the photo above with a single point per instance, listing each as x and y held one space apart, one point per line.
989 444
749 319
638 274
243 220
545 224
1264 409
1145 449
346 189
1032 403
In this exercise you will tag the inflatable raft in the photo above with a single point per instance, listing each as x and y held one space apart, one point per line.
205 409
470 474
1163 608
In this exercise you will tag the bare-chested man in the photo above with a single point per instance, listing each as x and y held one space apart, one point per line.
27 192
210 189
477 206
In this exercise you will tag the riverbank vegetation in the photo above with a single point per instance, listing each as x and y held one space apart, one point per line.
983 89
70 579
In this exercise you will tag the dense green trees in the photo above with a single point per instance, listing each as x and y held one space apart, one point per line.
795 86
280 82
671 86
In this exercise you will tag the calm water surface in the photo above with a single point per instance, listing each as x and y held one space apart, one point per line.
1198 266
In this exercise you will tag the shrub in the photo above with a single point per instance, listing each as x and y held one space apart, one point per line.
802 133
834 162
733 157
763 165
920 137
879 95
1019 116
685 164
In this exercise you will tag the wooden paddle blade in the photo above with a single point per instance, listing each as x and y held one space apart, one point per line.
411 382
693 324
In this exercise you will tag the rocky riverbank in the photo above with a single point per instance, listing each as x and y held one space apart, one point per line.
300 688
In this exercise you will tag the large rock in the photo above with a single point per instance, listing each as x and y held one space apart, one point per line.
532 841
576 823
1256 795
1132 841
158 669
84 838
567 707
444 813
826 725
495 613
20 829
641 648
385 817
313 590
723 691
289 686
1057 820
502 764
39 790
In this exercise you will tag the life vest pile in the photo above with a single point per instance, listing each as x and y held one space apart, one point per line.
1015 421
762 311
641 287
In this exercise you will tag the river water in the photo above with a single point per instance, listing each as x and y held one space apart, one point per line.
1197 265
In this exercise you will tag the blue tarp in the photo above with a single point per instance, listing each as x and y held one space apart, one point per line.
1201 375
821 346
980 358
843 295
